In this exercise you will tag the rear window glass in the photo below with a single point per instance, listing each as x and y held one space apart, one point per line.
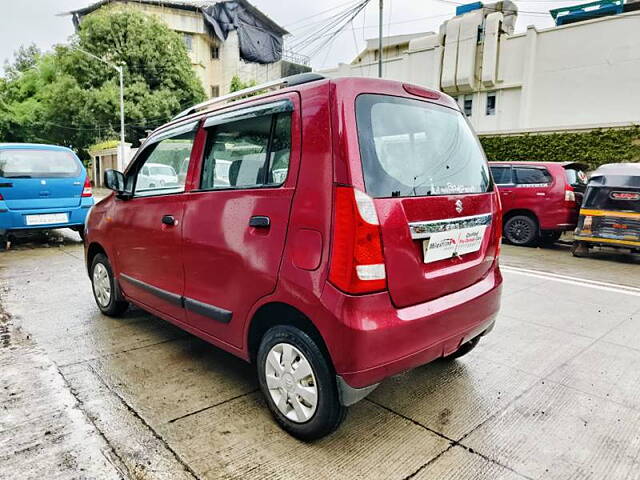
414 148
531 176
613 198
17 163
576 177
501 175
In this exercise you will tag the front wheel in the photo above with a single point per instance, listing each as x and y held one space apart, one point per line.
298 384
105 287
521 230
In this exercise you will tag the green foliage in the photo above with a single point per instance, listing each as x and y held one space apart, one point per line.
237 84
595 147
66 97
106 145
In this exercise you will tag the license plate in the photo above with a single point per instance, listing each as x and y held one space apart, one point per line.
453 243
47 218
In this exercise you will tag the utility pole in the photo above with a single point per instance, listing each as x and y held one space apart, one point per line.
380 42
120 70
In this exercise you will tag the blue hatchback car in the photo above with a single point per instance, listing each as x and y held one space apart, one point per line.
42 187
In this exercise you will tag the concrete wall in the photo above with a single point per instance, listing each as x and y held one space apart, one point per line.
580 75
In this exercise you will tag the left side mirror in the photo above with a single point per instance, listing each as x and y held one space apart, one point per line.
114 180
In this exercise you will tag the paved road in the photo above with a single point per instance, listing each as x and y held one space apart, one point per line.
552 392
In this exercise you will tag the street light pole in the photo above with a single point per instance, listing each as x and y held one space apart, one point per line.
120 70
380 42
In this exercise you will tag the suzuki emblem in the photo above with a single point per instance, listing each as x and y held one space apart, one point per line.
43 182
459 207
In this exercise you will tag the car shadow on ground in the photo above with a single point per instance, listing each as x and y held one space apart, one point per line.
41 239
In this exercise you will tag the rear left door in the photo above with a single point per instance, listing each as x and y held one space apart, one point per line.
236 221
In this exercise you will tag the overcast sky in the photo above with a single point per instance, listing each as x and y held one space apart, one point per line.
39 21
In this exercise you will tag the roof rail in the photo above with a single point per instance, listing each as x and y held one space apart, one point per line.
290 81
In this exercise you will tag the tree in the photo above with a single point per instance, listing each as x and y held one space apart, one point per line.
66 97
237 84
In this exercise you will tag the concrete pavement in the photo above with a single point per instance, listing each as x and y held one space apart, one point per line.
552 392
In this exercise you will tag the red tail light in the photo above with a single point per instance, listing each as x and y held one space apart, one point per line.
497 224
357 262
87 191
1 197
569 195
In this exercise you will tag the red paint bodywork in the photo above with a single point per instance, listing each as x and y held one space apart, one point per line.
546 203
213 256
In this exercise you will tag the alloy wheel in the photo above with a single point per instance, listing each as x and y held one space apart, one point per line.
519 231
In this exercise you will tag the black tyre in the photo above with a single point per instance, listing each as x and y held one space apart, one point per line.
521 230
298 383
106 290
549 237
463 349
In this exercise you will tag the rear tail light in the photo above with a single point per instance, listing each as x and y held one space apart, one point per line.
497 224
87 191
1 197
357 261
569 195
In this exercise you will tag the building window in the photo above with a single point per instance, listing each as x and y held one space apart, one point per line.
187 38
376 55
468 104
215 52
215 91
491 103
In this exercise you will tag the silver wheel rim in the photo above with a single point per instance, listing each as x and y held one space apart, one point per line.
101 285
291 382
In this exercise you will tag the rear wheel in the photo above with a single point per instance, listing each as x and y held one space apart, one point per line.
463 349
298 383
521 230
105 287
549 237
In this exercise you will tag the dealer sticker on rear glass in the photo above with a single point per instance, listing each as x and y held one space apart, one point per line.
452 243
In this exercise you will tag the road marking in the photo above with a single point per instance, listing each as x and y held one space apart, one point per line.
580 282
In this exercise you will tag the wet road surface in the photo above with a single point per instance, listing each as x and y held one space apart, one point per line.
553 392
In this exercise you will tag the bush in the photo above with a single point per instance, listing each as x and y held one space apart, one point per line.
595 147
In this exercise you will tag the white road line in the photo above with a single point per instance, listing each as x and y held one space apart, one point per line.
580 282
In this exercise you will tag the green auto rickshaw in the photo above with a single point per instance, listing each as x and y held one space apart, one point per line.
610 211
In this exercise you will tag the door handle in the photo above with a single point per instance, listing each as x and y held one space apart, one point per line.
169 220
260 221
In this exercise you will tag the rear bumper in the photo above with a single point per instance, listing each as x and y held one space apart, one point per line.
12 220
564 219
607 242
380 340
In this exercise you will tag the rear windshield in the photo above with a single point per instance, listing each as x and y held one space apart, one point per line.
16 163
612 198
413 148
576 177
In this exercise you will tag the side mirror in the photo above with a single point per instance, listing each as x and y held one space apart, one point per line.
114 180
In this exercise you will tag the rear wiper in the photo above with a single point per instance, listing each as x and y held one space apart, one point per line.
19 176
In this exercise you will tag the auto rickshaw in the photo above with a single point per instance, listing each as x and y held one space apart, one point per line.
610 211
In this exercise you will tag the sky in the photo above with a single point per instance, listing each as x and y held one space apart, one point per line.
23 22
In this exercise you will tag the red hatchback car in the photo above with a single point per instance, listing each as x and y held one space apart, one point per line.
540 200
334 232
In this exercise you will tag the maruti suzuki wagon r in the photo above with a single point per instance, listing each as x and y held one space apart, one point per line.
351 233
42 187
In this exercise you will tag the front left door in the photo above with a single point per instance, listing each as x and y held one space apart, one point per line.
148 228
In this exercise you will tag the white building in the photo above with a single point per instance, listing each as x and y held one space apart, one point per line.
581 75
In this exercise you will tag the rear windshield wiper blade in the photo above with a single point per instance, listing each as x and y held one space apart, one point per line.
18 176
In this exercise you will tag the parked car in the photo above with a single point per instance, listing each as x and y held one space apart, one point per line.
375 253
156 176
610 213
540 200
42 187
